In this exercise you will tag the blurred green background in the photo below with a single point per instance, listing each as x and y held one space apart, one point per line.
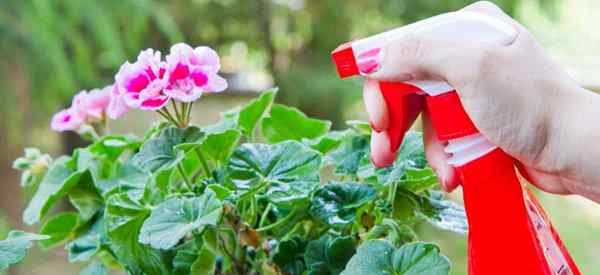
50 49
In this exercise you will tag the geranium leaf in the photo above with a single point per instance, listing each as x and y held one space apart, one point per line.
288 123
173 219
336 203
379 257
59 228
61 177
85 246
289 255
86 200
124 219
328 255
418 179
244 118
250 115
215 148
411 155
256 166
348 155
442 213
185 256
361 127
14 248
327 142
159 153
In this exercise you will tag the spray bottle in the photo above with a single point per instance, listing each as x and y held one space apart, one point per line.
509 233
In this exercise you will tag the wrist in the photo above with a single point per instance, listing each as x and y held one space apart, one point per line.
574 133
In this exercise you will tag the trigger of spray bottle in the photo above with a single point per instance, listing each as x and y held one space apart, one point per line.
508 230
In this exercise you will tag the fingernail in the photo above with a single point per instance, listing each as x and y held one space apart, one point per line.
369 61
374 127
444 179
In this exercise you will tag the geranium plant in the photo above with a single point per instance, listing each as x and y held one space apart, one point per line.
266 190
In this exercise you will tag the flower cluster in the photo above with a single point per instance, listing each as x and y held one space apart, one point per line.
150 83
87 107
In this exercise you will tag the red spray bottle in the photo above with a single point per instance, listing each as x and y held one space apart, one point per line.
508 231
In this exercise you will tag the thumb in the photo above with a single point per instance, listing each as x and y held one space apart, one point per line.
417 56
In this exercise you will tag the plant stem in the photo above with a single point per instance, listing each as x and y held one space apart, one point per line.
187 181
105 124
167 117
265 215
167 113
177 113
203 162
189 112
293 231
279 222
253 215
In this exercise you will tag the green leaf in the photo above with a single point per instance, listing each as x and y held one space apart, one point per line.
124 218
244 118
378 257
326 143
59 228
444 214
328 255
112 147
289 255
411 155
95 268
173 219
216 148
15 246
185 256
159 153
196 256
84 247
251 114
59 179
288 123
348 155
205 263
86 200
361 127
418 179
336 203
290 168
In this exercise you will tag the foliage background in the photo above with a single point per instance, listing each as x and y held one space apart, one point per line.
51 49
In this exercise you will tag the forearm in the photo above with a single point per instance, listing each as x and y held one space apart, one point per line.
576 135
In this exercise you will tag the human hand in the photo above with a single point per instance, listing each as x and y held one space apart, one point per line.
516 96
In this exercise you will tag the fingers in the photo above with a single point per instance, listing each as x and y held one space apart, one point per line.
375 105
381 152
417 56
490 9
437 158
544 181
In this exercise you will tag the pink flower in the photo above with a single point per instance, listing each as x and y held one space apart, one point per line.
193 72
97 102
116 106
142 83
92 105
67 120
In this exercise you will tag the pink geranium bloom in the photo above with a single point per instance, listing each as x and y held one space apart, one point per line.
67 120
117 106
142 83
97 102
193 72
